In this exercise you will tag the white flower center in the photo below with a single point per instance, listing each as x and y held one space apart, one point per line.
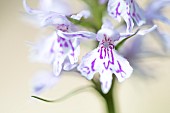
107 42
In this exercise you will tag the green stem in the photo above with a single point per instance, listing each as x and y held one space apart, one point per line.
109 98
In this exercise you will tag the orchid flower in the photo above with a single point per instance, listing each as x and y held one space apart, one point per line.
59 51
128 10
105 59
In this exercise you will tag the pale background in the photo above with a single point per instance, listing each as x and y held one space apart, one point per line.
136 95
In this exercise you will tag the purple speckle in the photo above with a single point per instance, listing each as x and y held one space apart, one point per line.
61 45
65 44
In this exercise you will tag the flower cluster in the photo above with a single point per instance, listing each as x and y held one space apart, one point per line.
62 48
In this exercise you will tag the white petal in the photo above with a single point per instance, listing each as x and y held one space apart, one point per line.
115 8
84 13
57 66
106 81
137 14
89 65
73 57
43 50
137 32
68 66
54 5
129 22
78 34
122 67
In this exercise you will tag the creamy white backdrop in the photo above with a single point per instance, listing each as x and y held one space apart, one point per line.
136 95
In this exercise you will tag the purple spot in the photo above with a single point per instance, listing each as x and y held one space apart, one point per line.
61 45
58 40
52 50
65 44
39 88
130 24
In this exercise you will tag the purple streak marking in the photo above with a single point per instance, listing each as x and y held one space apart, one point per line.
109 62
117 8
92 65
87 70
71 48
120 70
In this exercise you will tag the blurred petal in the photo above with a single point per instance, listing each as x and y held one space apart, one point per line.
29 10
57 66
84 13
106 81
154 11
78 34
138 32
55 5
43 50
43 80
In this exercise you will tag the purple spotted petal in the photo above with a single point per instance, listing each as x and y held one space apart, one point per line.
105 60
122 67
89 65
137 13
128 10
